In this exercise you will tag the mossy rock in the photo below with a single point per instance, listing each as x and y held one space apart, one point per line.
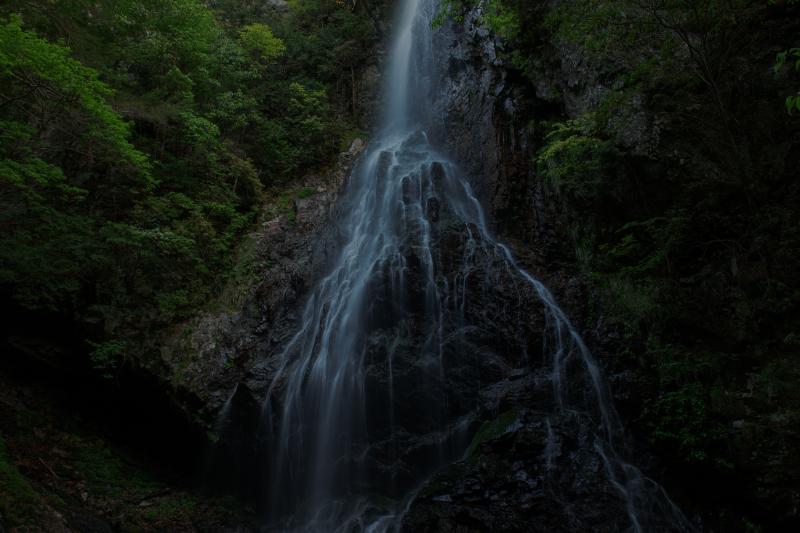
491 430
19 501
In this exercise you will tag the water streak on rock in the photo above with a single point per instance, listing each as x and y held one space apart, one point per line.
416 248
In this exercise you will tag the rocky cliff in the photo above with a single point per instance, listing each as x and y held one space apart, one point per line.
500 354
223 361
667 141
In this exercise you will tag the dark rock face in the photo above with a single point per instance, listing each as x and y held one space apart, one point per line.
531 472
204 360
439 370
470 128
217 351
425 373
480 130
524 469
424 403
484 133
426 364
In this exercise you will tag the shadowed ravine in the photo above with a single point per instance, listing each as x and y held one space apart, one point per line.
381 385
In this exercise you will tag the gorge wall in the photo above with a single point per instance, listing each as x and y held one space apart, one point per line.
658 145
696 334
497 123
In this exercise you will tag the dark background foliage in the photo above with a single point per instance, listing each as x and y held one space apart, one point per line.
688 235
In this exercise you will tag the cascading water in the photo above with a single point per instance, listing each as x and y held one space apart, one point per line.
365 401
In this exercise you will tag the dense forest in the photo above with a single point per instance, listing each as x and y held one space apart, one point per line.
143 142
139 139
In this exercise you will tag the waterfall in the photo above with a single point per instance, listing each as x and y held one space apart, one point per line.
337 429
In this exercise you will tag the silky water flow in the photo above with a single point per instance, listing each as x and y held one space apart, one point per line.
334 425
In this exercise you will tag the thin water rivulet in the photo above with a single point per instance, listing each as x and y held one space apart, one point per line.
415 248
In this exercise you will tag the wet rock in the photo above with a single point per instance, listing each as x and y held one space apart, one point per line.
511 481
432 210
207 357
410 190
437 174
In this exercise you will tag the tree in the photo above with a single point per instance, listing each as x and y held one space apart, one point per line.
43 83
260 42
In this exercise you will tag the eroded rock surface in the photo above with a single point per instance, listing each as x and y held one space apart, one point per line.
216 351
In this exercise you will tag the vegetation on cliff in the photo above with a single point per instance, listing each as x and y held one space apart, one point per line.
138 138
673 178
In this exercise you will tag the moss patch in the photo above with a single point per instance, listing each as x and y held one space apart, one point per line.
18 499
178 508
492 430
56 469
110 475
306 192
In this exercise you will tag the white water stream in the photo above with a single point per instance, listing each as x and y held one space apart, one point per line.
315 411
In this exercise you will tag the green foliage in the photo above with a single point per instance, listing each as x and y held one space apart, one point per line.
106 356
775 386
109 474
636 302
451 9
29 64
793 55
681 422
133 162
173 509
39 215
502 20
574 162
492 430
18 499
496 14
643 247
308 109
60 456
258 39
306 192
686 232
